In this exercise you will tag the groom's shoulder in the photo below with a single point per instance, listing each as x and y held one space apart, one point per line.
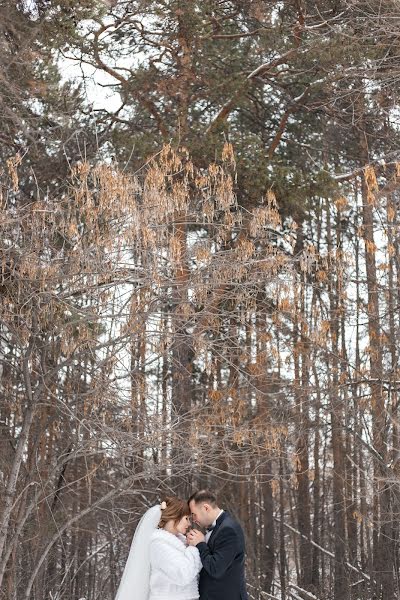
230 519
231 523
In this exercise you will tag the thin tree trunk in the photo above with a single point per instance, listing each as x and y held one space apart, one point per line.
282 544
32 399
302 449
341 587
383 547
269 530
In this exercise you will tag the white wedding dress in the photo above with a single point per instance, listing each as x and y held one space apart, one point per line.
160 565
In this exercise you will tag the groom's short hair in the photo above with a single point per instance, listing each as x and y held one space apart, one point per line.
203 496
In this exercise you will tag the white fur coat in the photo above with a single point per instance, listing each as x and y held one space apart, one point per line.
174 568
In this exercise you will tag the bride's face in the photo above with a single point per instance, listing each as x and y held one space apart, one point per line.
183 525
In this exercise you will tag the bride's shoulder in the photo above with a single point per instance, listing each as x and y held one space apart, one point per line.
161 535
157 534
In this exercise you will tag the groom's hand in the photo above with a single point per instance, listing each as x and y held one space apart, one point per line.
194 537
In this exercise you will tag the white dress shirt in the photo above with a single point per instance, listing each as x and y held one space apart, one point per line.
208 534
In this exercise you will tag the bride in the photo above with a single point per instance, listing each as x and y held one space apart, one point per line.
160 565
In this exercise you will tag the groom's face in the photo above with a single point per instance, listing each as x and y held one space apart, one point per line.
201 513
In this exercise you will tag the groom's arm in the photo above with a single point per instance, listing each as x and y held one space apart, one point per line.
218 561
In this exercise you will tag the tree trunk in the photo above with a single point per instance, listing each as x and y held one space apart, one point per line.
341 587
383 546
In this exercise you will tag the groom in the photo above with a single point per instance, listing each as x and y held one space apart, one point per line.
221 550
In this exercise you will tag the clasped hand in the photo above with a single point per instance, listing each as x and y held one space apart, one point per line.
194 537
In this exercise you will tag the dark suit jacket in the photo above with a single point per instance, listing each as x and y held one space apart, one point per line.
222 575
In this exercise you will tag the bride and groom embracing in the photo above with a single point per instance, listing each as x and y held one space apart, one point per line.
183 551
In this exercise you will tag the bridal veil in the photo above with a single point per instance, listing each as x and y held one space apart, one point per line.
135 581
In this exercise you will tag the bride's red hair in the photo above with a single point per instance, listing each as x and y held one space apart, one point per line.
175 510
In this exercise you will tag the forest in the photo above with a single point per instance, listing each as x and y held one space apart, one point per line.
200 287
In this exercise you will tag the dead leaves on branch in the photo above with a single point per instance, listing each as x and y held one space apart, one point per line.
115 258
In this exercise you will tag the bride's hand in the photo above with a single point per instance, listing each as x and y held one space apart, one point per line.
194 537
